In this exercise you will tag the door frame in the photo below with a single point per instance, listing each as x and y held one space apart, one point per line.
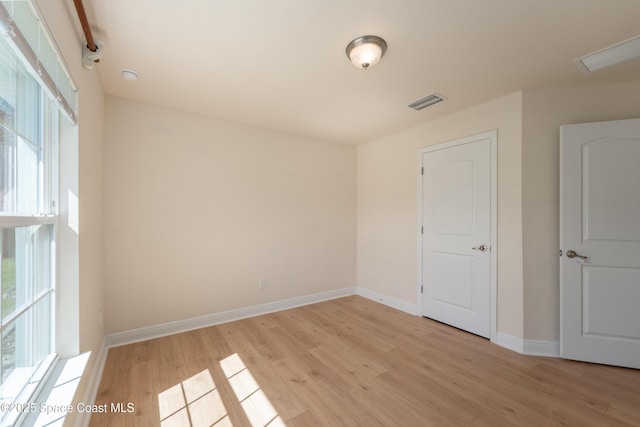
493 244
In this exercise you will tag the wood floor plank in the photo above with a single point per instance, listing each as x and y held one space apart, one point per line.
272 384
626 411
305 419
354 362
565 409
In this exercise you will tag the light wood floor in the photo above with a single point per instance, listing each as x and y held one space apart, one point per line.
354 362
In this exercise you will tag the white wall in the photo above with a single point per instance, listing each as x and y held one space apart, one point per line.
544 111
197 210
90 186
388 204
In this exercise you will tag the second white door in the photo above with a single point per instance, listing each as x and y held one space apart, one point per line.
456 233
600 240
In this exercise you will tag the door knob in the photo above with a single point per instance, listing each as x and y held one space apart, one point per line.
573 254
481 248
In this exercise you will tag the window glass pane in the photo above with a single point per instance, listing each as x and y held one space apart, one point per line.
28 177
8 95
32 334
26 342
8 84
26 265
42 252
8 271
8 193
48 57
66 88
28 110
27 21
38 345
20 97
23 267
27 295
21 141
8 357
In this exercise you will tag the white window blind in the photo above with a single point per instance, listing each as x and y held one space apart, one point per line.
21 25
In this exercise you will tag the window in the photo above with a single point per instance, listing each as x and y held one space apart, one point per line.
28 183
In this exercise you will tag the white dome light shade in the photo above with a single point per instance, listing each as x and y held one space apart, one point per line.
129 75
366 51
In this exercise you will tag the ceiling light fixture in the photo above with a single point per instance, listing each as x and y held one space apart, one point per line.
366 51
615 54
129 75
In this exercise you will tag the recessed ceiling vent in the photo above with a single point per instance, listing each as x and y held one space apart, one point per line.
620 52
427 101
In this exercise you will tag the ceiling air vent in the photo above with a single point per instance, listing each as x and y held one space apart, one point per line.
620 52
427 101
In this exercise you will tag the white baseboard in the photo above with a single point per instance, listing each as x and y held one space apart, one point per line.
170 328
542 348
398 304
529 347
512 343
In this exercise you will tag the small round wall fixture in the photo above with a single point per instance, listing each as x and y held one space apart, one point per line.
129 75
364 52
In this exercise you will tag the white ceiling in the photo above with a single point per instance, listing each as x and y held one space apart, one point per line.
281 63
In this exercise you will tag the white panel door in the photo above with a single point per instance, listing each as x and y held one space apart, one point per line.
456 233
600 242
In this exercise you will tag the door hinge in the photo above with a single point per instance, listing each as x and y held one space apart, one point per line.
422 289
422 230
560 252
421 171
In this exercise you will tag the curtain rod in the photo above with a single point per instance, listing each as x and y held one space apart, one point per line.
84 22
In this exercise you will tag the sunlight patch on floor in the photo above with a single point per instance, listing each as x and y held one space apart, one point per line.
194 402
254 401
